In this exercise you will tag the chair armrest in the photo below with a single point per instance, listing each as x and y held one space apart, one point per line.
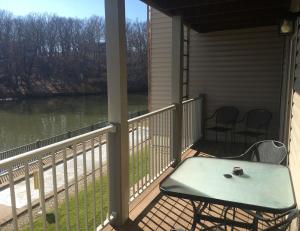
242 119
240 157
211 117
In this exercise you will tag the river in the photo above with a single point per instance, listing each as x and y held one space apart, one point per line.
28 120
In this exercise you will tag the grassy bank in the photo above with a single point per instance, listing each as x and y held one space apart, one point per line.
99 201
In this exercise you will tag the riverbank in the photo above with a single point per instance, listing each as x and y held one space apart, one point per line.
49 89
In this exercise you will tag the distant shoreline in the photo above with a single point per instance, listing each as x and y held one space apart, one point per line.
55 95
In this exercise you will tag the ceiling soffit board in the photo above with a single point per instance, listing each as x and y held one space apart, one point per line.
211 15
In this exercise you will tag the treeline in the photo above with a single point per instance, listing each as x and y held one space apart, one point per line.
48 54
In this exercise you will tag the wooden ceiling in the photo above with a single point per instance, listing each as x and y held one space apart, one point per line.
212 15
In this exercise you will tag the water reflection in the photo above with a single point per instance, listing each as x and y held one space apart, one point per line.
28 120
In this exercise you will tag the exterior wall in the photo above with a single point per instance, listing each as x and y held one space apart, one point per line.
294 155
242 68
237 67
160 60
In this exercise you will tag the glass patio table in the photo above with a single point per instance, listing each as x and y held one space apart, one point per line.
262 188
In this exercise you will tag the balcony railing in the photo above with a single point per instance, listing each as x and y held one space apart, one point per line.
191 121
70 171
68 181
150 148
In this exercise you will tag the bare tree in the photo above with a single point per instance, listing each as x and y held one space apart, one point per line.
47 54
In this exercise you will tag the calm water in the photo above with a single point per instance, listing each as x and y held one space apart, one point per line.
26 121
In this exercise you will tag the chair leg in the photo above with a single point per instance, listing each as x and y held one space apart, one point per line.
225 149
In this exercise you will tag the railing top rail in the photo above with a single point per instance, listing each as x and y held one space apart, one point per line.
136 119
192 99
55 146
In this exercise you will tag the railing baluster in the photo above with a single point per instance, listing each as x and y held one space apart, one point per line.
183 126
165 139
107 172
76 186
188 125
138 157
148 151
169 138
133 160
28 192
85 186
162 123
13 198
66 184
160 142
94 184
142 153
156 144
42 191
55 191
101 180
152 158
193 122
196 121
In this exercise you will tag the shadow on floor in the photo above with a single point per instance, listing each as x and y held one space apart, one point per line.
219 149
165 213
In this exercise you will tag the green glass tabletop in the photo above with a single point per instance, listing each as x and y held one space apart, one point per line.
263 187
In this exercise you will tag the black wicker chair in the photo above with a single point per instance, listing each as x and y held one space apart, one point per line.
266 151
225 119
256 124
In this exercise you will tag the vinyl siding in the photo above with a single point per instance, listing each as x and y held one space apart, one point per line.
234 67
160 61
294 155
242 68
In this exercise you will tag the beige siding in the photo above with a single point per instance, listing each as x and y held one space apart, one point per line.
239 67
160 61
294 156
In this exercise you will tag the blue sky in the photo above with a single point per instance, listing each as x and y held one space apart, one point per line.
135 9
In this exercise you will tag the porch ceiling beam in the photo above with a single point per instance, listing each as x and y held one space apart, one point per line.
227 11
118 156
199 13
237 17
173 6
179 4
204 28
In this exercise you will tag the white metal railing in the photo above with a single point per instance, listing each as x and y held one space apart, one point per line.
67 180
191 122
150 138
70 179
149 148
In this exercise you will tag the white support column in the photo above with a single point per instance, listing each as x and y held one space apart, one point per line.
177 75
118 157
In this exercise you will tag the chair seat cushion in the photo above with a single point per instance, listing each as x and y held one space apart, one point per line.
219 129
251 133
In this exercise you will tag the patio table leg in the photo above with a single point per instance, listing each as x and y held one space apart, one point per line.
197 210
